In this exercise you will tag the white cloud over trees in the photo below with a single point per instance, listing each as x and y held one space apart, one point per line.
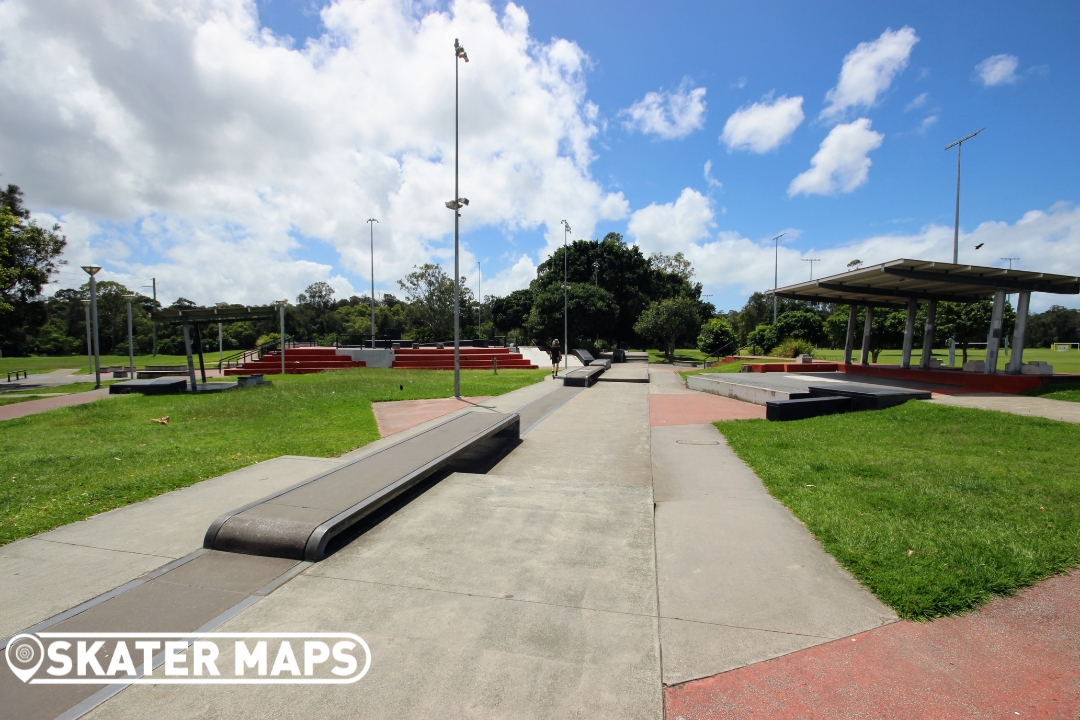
186 142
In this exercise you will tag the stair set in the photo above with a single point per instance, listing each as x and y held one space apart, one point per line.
300 361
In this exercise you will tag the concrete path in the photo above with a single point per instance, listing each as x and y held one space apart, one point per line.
604 558
1049 408
397 415
33 407
1018 657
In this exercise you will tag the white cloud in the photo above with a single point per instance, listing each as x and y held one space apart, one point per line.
868 71
841 163
713 182
998 70
514 277
917 102
668 115
928 122
672 227
763 126
184 141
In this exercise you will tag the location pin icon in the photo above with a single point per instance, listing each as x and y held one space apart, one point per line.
24 656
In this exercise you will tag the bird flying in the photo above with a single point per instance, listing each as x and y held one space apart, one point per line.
979 245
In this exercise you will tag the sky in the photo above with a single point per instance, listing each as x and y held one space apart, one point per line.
234 149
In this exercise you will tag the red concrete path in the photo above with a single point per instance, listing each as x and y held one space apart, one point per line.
397 415
699 409
1018 657
32 407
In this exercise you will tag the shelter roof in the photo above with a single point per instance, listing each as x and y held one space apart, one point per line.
897 281
228 313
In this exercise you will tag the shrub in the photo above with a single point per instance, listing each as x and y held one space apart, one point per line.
716 337
792 347
762 339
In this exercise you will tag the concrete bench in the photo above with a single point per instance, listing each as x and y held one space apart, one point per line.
583 377
805 407
301 521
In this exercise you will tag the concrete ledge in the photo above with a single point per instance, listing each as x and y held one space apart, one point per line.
710 383
803 408
583 377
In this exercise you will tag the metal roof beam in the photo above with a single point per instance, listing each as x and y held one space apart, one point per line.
1072 288
896 292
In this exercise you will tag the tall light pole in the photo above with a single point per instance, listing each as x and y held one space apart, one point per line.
153 286
1010 261
956 227
93 270
89 342
565 301
479 296
811 261
456 204
131 339
371 227
775 267
281 309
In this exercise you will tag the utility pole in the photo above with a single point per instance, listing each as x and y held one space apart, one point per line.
811 261
93 270
371 227
956 226
131 339
775 271
565 300
456 204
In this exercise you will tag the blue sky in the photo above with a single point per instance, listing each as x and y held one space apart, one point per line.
644 178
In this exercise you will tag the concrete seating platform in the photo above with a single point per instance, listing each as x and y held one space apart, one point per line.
802 408
155 386
300 522
625 372
869 397
583 377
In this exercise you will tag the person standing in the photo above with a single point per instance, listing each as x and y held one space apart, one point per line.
556 356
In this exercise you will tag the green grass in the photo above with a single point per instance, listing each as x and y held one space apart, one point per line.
1063 362
39 364
684 354
1057 391
67 464
935 509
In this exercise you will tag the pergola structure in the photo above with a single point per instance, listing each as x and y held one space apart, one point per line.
900 283
194 315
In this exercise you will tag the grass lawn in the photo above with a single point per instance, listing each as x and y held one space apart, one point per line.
731 367
40 364
1063 362
1057 391
935 509
68 464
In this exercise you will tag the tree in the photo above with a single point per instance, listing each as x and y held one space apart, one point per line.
970 322
854 264
1056 325
430 292
667 320
676 264
511 313
800 325
319 295
716 337
762 338
593 312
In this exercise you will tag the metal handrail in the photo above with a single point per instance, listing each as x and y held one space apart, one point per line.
238 359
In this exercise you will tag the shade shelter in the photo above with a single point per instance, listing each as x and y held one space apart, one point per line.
194 316
906 283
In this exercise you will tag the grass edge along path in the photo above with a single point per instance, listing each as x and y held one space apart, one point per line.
1069 391
935 509
68 464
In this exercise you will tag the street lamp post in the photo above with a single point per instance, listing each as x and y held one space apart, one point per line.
131 340
456 204
956 227
776 265
153 286
479 297
93 270
89 342
371 227
565 300
281 308
811 261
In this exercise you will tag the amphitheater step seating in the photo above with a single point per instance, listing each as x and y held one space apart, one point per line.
471 359
298 361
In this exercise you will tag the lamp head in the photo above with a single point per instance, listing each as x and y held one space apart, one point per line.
91 269
460 51
371 220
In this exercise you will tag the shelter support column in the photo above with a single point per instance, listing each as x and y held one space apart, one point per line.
993 342
909 334
849 343
193 387
928 335
864 356
1016 362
